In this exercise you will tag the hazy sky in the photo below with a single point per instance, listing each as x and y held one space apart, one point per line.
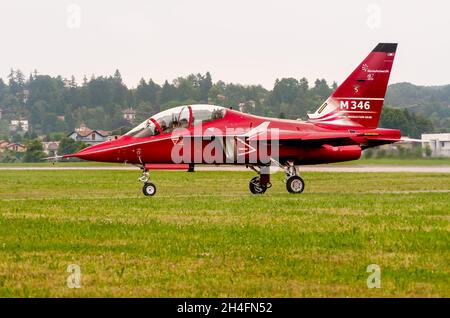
246 41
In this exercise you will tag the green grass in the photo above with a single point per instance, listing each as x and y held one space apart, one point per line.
204 235
399 162
60 164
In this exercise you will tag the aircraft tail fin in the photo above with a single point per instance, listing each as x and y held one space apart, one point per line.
358 101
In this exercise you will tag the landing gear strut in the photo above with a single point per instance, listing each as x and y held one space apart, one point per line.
149 188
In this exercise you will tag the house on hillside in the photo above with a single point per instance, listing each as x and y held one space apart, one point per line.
16 147
438 143
89 136
12 146
51 148
22 123
129 114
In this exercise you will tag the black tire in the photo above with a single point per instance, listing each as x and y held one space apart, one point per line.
255 187
149 189
295 184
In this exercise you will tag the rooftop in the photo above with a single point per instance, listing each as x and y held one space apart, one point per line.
84 131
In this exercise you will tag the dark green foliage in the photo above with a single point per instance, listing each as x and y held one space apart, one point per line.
69 146
9 156
34 152
429 101
411 124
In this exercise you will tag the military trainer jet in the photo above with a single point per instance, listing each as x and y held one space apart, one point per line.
181 137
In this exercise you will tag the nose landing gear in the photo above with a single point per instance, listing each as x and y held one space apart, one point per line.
149 188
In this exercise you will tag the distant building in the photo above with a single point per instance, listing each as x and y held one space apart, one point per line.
129 114
1 113
16 147
89 136
61 118
24 94
51 148
438 143
15 124
6 145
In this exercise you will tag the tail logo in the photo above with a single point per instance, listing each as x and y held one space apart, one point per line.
365 68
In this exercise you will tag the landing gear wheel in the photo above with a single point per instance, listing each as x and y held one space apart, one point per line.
149 189
295 184
255 187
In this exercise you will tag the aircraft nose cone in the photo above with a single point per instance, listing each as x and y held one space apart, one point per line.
100 152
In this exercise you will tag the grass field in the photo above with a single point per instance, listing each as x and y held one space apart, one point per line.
398 162
204 235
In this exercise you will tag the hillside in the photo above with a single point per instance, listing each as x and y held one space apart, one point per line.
407 95
431 101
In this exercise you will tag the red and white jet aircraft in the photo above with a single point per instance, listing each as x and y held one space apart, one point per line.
343 126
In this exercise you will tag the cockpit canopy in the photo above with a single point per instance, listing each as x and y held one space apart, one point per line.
177 118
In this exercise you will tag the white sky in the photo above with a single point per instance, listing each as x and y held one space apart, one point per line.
243 41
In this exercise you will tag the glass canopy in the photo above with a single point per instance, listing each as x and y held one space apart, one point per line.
180 117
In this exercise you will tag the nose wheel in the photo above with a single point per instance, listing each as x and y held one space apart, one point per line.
149 189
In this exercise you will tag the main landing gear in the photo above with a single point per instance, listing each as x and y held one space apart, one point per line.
259 184
294 184
149 188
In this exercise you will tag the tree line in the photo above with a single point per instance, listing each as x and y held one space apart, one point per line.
58 105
